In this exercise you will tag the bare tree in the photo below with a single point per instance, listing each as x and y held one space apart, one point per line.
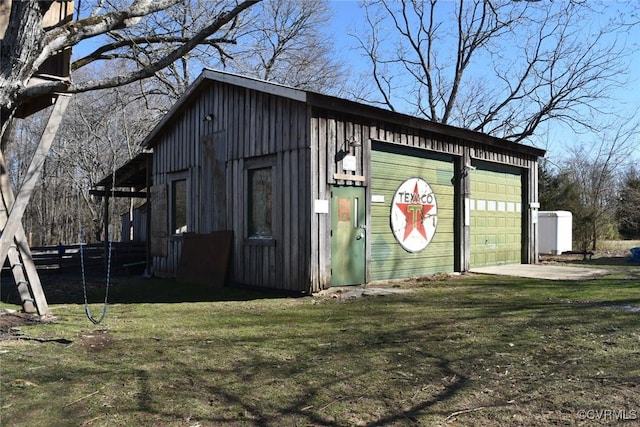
102 129
499 67
103 126
163 31
591 174
283 41
27 45
628 214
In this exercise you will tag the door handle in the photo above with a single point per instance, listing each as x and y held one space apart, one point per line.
359 236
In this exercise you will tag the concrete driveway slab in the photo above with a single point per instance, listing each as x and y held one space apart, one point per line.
543 271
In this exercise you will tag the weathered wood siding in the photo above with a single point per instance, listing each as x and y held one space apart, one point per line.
178 154
246 126
330 133
305 139
271 130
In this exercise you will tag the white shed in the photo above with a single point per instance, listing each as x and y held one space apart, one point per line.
554 232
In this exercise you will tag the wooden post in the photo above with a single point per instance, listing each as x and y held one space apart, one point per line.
33 174
6 201
466 207
20 259
12 235
462 186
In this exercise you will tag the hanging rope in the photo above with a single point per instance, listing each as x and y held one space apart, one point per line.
105 305
87 308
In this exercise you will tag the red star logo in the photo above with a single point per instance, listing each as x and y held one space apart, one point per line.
415 214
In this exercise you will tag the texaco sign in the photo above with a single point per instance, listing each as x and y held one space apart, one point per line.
414 214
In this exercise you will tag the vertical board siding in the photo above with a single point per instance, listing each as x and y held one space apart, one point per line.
270 125
329 134
308 144
246 124
321 223
179 150
388 259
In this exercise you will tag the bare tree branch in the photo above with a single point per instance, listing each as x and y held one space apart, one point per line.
499 67
27 45
147 71
282 42
102 53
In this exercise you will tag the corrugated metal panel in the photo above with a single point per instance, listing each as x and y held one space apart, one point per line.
389 169
496 217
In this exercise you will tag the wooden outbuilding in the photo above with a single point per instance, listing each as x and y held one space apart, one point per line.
319 191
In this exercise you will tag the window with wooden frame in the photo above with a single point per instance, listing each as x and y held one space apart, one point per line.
259 175
179 205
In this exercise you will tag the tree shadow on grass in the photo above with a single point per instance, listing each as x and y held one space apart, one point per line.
65 289
379 361
240 391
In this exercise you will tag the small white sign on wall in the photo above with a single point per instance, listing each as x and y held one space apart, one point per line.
321 206
467 211
377 198
349 163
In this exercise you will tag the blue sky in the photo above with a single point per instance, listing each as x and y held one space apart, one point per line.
557 139
348 17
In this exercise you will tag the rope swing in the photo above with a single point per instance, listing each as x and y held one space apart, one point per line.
105 305
87 308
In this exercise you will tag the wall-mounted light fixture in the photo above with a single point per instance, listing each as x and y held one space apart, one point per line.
208 118
353 142
345 149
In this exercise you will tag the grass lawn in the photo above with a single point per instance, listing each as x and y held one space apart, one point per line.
462 351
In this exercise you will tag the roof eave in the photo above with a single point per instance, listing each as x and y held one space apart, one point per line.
335 104
209 75
351 107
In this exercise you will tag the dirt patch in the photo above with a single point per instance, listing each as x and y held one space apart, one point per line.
359 291
625 307
543 271
12 321
96 341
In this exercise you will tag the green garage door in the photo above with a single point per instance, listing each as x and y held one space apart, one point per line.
496 216
400 174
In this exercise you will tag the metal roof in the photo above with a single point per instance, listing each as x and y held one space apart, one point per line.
132 175
334 104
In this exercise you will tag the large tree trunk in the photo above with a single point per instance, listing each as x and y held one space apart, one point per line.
21 39
27 45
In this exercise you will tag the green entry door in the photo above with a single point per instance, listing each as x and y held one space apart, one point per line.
348 236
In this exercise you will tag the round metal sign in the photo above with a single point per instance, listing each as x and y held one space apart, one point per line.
414 214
